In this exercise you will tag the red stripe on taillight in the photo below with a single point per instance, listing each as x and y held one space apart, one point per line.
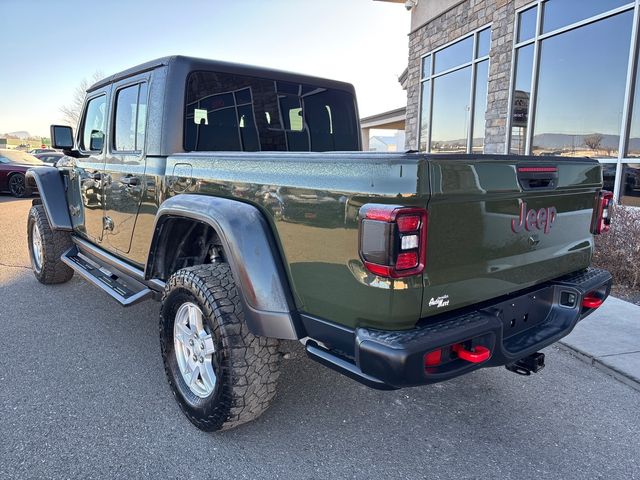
408 223
537 169
407 260
383 214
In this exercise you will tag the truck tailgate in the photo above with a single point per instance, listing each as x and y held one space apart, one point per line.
499 224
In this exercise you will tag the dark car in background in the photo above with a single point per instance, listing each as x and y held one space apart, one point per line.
37 151
13 165
50 158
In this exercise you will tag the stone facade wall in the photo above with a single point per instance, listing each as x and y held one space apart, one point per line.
451 25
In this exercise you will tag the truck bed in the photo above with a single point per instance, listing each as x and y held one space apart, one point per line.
312 201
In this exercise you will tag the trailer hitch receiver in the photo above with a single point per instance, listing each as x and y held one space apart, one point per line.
527 365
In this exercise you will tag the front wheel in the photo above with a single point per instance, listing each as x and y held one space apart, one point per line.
46 246
18 185
219 372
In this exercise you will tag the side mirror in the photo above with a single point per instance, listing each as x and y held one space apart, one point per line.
97 140
61 137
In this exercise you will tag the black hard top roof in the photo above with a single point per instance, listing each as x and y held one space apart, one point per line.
189 64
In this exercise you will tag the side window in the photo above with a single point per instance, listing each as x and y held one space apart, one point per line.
94 124
130 118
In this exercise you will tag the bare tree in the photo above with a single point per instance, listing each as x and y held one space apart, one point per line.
71 112
593 141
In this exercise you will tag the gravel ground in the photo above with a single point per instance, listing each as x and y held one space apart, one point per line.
83 395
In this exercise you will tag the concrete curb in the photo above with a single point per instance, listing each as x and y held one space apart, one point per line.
600 364
609 339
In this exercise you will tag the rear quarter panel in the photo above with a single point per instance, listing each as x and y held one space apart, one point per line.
312 201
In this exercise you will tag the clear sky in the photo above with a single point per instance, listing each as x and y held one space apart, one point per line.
48 46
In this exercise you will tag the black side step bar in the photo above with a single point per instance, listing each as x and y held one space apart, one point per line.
104 272
343 366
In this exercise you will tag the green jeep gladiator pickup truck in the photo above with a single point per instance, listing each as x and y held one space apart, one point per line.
238 197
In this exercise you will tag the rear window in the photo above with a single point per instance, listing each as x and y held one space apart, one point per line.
229 112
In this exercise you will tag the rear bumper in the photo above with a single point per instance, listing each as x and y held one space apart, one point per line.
510 328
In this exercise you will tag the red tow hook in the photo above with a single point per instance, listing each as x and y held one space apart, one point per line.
591 301
478 355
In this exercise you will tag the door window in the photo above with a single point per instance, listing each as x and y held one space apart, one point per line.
94 124
130 118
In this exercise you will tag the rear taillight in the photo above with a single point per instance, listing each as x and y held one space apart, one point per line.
601 221
393 240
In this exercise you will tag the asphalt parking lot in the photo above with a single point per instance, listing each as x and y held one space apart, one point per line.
83 394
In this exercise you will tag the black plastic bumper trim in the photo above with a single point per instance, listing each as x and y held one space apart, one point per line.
396 358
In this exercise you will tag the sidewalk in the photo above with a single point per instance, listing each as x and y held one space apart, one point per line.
609 339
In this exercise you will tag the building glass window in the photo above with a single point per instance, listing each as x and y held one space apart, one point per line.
633 145
480 107
454 95
457 54
572 86
451 111
630 185
527 24
560 13
575 115
425 119
484 43
521 97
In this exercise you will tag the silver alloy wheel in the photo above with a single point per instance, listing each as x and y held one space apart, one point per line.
36 246
194 348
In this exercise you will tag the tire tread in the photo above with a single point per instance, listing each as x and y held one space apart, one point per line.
251 371
54 244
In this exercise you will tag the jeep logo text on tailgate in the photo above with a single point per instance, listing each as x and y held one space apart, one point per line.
529 219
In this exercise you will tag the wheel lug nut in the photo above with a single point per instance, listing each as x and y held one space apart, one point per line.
195 359
201 359
191 342
202 346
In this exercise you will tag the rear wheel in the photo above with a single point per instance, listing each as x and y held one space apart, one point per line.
18 185
220 373
46 246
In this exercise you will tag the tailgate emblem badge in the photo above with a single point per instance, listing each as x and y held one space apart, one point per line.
441 301
542 219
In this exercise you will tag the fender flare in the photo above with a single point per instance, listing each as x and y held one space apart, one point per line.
253 257
53 195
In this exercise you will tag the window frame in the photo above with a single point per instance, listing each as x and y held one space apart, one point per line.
83 121
114 111
475 60
536 41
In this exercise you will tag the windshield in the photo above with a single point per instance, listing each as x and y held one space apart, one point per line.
22 158
231 112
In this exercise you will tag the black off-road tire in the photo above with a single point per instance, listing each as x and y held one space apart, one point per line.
246 366
54 244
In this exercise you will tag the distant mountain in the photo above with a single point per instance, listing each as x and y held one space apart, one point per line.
563 141
20 134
